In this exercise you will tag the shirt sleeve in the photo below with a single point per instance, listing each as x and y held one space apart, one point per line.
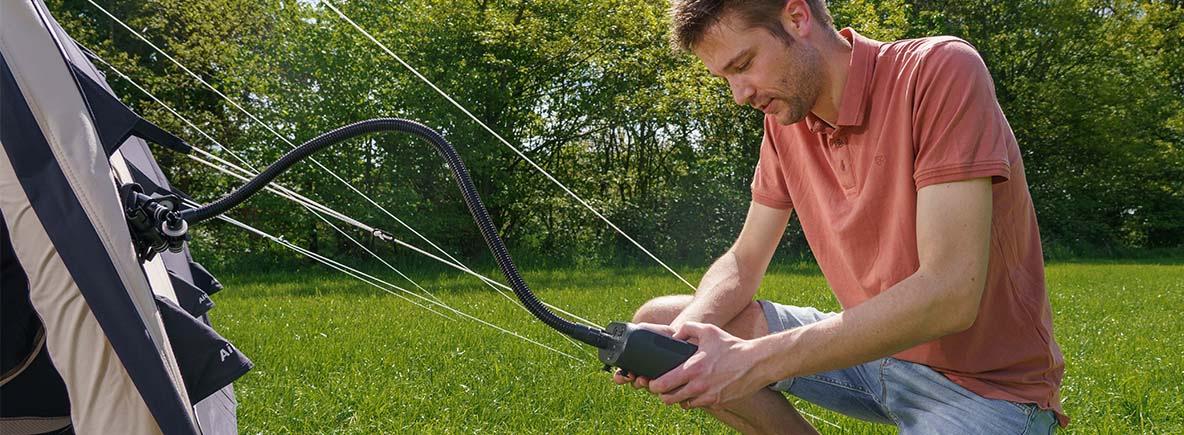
768 183
960 130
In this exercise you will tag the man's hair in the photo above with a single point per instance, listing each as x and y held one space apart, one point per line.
690 19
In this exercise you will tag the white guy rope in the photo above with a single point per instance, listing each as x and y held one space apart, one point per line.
282 138
516 151
395 240
503 141
402 243
265 125
310 207
342 267
313 206
346 269
279 189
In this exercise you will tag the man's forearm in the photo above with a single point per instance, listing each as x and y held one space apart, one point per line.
918 309
723 292
941 298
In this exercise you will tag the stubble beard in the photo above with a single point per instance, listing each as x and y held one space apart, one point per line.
804 71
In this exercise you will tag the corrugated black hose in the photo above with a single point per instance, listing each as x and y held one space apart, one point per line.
583 333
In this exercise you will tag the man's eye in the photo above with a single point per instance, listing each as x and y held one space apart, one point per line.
744 66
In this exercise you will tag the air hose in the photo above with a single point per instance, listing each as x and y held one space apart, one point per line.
623 345
577 331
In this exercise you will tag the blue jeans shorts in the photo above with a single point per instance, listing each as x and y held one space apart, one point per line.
908 395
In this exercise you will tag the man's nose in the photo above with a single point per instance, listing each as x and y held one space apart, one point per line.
741 92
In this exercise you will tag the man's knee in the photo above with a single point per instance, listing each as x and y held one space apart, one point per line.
662 309
749 323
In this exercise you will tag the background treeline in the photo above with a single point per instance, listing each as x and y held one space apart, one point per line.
590 90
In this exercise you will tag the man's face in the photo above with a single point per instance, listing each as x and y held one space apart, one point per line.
778 77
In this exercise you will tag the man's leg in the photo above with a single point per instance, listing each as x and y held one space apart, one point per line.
923 401
766 411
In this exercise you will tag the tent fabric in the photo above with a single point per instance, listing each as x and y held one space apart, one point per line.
118 121
23 332
204 280
216 414
35 398
55 239
31 390
208 361
36 425
194 301
103 332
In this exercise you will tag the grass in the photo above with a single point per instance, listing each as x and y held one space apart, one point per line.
334 355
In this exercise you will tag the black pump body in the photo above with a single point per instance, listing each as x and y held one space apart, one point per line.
643 352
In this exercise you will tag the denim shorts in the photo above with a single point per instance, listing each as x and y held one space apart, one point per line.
911 396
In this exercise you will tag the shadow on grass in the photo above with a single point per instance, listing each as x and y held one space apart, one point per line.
314 280
1158 261
309 279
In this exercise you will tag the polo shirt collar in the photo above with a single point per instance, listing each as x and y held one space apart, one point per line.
854 100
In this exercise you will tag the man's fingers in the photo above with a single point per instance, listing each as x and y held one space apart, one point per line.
659 328
692 330
703 401
637 382
688 393
641 383
669 382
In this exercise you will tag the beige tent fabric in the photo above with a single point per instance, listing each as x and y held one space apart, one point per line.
102 397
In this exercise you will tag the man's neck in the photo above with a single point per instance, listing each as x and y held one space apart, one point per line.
836 61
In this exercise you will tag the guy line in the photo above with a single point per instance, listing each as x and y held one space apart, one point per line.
312 206
333 174
384 210
503 141
270 129
346 269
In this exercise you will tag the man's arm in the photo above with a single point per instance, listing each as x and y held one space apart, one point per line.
941 298
732 281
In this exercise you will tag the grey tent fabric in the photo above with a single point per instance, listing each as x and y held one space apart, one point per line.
207 360
103 334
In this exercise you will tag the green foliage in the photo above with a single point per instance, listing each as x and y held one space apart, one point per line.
591 92
1091 90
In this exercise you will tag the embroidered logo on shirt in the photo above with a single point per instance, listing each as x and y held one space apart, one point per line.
880 160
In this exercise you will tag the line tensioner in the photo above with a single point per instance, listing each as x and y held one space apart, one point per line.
159 223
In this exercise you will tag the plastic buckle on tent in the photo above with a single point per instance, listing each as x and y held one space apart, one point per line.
154 222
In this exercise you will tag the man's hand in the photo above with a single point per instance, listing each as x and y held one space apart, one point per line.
639 382
720 372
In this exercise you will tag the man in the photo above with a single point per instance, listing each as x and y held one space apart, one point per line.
910 188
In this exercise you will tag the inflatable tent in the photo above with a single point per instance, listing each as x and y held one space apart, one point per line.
96 339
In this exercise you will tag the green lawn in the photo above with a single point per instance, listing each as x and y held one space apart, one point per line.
333 355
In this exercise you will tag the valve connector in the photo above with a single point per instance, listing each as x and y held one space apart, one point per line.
155 224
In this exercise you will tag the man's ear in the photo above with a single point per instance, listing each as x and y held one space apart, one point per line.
797 19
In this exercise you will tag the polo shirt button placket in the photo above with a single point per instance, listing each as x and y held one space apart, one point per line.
846 175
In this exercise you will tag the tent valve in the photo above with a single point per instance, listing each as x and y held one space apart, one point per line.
155 224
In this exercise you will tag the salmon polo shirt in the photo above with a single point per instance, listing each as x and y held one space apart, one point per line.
915 113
